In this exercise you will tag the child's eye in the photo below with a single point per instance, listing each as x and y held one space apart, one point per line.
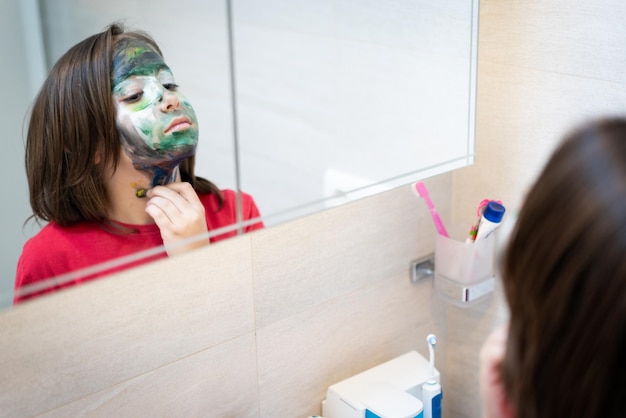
133 97
170 86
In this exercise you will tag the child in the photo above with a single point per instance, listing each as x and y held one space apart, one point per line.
562 354
110 155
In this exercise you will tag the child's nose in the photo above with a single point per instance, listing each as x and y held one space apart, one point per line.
168 101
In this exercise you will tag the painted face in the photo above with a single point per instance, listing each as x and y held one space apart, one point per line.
157 125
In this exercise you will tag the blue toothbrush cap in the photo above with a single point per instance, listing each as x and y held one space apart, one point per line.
494 212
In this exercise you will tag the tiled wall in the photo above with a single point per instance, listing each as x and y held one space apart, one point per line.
543 67
258 326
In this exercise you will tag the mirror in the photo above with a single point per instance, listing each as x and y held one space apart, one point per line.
333 100
194 41
339 99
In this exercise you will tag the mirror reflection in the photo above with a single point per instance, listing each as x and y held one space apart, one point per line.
340 99
115 176
104 201
325 102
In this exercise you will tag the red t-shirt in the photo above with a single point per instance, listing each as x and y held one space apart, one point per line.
58 252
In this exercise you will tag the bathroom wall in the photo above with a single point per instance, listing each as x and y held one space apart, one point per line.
543 67
257 326
265 322
21 45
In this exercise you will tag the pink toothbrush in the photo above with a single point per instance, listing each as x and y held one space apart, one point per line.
422 191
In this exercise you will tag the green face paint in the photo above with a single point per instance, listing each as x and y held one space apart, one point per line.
157 125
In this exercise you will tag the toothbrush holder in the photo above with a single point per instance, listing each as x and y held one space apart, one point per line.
464 271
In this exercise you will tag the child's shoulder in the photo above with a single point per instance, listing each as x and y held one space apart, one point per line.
53 238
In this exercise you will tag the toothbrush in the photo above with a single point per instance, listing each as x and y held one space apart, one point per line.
422 191
432 342
431 389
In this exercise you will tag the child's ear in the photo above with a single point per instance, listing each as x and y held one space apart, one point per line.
97 158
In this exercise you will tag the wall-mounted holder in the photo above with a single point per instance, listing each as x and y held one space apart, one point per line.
423 268
463 272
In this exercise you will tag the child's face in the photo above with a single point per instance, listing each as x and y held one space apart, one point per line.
157 124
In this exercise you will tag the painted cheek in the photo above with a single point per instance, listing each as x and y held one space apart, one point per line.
147 128
157 134
135 127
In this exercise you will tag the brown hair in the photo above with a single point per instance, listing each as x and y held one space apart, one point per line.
564 276
72 122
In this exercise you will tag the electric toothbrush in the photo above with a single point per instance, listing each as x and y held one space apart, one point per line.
432 342
431 390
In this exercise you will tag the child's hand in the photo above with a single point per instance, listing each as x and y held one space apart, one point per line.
494 401
179 214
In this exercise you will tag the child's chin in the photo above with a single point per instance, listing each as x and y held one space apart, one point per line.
177 154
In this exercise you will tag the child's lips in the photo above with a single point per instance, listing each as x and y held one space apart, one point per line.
178 124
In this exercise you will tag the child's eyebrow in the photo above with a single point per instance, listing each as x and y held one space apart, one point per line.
148 69
123 82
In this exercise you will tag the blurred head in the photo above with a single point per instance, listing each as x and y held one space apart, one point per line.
564 276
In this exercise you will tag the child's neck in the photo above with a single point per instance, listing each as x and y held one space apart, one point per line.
128 199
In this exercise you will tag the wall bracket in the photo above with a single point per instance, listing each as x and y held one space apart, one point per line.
423 268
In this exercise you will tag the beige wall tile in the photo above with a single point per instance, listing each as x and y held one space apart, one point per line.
570 37
467 330
303 354
543 67
302 264
522 116
77 342
218 382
